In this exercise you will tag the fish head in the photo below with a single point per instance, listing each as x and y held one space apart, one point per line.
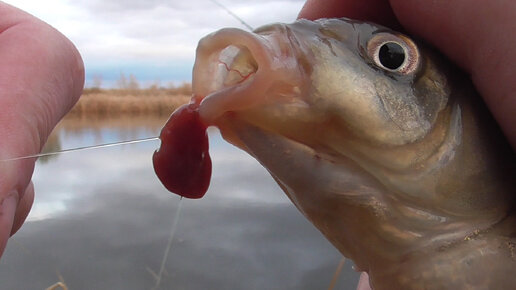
360 126
327 71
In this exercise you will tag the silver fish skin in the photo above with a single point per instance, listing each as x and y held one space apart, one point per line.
380 142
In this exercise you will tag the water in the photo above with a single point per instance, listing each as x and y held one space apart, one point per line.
101 220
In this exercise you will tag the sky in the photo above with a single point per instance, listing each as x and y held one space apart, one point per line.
154 40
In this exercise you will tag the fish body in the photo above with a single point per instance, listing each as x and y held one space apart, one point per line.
380 142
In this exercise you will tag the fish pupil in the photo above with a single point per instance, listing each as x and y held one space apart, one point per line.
391 55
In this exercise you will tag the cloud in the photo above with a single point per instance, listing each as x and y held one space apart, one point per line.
115 35
131 5
122 6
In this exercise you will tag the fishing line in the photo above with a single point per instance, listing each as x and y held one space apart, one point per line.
232 14
169 243
122 142
81 149
179 206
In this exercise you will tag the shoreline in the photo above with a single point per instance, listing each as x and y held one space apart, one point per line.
115 103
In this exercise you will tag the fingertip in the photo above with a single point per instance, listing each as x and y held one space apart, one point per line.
7 212
474 35
363 283
378 11
459 28
23 209
315 9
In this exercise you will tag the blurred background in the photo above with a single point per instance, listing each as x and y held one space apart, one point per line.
101 219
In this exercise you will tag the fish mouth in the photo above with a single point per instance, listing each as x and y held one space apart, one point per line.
237 70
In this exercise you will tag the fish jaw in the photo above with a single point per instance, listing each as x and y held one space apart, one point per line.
350 197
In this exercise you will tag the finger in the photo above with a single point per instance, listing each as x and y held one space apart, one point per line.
363 283
41 77
478 36
8 207
24 206
378 11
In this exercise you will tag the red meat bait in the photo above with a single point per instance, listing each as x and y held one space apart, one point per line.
183 163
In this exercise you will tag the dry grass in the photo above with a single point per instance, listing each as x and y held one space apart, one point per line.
100 103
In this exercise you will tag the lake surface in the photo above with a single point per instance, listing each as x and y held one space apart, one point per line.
101 220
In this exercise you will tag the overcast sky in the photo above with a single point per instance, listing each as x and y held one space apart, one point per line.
152 39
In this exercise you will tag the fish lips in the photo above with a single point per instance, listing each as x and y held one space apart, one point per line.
237 70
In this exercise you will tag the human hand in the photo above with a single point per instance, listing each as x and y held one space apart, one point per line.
41 78
473 34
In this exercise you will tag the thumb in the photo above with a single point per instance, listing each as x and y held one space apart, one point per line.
41 78
477 35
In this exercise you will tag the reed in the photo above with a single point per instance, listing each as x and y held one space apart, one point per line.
112 103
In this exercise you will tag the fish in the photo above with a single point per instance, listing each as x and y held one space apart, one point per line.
378 140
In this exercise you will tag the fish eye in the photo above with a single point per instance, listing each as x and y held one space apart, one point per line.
394 53
391 55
